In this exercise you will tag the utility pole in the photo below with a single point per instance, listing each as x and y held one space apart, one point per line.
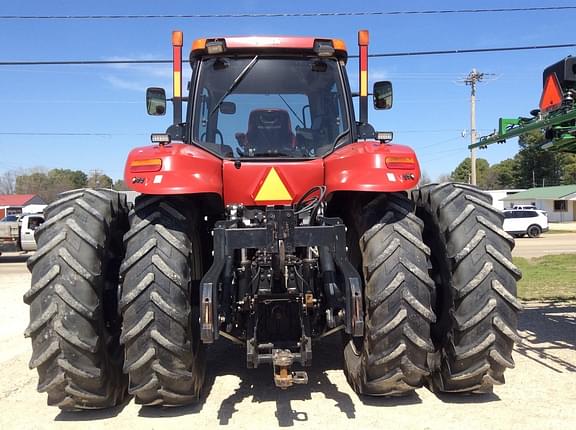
94 178
472 79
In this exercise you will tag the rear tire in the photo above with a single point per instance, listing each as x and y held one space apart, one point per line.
391 359
74 325
162 270
534 231
476 287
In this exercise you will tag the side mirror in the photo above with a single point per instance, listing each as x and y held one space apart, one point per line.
382 95
156 101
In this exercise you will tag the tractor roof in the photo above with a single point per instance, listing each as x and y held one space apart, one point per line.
267 44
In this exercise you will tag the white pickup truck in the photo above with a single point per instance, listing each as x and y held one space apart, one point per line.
18 235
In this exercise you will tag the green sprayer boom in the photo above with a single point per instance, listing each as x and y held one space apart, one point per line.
556 116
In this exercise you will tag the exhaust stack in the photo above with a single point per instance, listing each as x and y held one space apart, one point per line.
177 39
363 38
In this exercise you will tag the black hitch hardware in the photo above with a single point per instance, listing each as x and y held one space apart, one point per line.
279 236
282 360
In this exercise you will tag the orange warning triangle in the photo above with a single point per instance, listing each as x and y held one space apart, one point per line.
273 189
552 94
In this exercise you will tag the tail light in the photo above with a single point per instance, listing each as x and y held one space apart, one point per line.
148 165
402 162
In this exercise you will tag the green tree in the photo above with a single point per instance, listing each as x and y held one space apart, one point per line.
120 185
503 174
98 179
65 179
568 166
76 178
33 183
49 185
536 166
462 172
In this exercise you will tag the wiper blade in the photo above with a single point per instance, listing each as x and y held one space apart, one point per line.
292 110
237 81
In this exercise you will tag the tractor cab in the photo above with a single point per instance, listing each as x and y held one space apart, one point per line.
300 82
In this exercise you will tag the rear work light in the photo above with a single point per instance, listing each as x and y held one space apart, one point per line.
161 138
148 165
215 46
402 162
384 136
323 48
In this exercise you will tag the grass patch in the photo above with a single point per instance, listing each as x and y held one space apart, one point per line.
547 277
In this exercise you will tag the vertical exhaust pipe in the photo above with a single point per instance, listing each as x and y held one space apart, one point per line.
363 39
177 39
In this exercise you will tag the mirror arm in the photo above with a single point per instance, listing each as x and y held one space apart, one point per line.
357 94
184 99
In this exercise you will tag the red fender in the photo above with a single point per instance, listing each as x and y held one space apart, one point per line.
184 169
371 166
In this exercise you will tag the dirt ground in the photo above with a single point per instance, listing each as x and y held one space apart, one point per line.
548 243
540 392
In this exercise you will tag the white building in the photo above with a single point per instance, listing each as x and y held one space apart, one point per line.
498 195
559 202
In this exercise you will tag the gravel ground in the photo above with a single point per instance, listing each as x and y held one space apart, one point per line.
551 243
564 226
540 392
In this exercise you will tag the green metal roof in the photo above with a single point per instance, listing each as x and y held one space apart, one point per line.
561 192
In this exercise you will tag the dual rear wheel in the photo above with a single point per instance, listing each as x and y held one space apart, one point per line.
74 325
96 339
440 293
440 303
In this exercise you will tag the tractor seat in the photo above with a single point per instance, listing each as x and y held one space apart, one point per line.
269 130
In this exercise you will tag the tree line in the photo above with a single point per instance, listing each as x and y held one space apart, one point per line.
531 167
47 184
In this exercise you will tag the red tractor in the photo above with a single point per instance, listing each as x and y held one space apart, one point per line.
270 216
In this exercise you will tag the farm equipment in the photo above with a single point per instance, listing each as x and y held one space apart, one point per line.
556 115
270 217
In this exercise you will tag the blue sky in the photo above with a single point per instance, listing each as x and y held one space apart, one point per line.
431 109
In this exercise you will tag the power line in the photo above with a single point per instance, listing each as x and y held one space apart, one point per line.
468 51
382 55
81 62
67 102
17 133
288 14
